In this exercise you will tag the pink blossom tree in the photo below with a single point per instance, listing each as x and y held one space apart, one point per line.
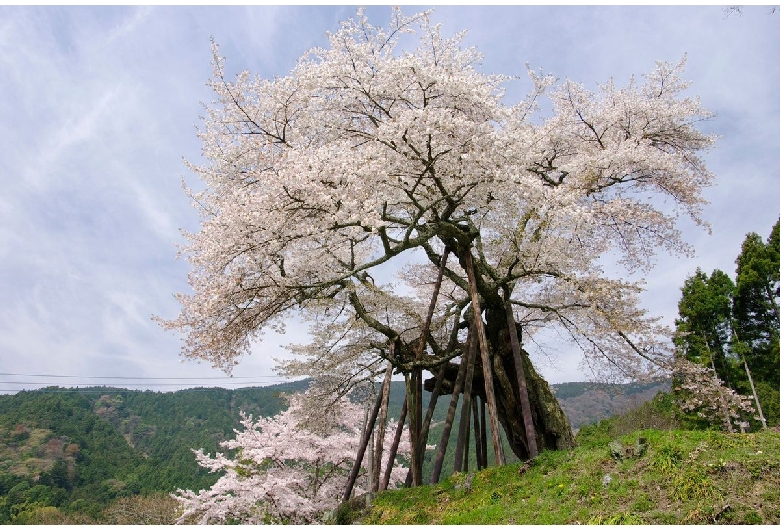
370 154
699 389
285 469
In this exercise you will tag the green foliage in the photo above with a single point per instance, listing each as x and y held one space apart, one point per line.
668 458
769 396
691 485
757 319
734 327
703 329
66 455
104 447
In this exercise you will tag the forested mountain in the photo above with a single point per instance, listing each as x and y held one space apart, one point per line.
79 451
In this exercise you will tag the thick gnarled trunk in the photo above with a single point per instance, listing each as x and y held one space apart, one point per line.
552 428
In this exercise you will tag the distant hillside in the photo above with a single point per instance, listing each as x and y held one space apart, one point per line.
585 403
80 450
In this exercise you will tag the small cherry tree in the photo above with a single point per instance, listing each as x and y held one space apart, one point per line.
699 389
286 469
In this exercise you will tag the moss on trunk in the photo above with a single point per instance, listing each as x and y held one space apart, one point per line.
552 428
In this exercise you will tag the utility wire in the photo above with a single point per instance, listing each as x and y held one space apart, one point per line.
133 384
86 382
88 390
138 377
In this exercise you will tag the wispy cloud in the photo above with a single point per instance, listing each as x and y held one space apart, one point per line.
98 107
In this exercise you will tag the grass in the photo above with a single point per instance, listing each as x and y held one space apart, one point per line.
683 477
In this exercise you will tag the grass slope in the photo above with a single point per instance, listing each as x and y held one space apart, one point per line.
643 467
685 477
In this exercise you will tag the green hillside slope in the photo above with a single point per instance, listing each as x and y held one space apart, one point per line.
78 451
683 477
74 454
619 474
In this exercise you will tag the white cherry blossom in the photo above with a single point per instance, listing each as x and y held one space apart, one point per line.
283 470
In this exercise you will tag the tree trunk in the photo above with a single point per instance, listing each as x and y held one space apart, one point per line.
552 428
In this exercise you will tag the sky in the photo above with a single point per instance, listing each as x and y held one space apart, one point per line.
99 108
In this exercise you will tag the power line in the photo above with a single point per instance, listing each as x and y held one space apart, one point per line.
88 390
136 384
138 377
86 383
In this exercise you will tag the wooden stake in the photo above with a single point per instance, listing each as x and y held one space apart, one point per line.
362 449
414 384
380 434
463 432
477 433
432 405
483 429
394 448
525 403
486 365
456 390
415 411
467 436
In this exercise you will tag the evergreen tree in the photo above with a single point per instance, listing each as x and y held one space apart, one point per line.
757 319
704 326
734 328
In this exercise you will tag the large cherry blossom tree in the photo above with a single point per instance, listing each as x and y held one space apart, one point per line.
391 147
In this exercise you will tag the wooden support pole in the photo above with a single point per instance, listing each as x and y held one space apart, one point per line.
477 433
432 406
466 437
465 408
483 432
394 448
362 449
525 403
456 390
414 384
750 378
413 417
487 369
379 441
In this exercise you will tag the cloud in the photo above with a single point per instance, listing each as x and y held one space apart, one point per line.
98 106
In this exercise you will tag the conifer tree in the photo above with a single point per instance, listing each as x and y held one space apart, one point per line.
704 323
757 318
